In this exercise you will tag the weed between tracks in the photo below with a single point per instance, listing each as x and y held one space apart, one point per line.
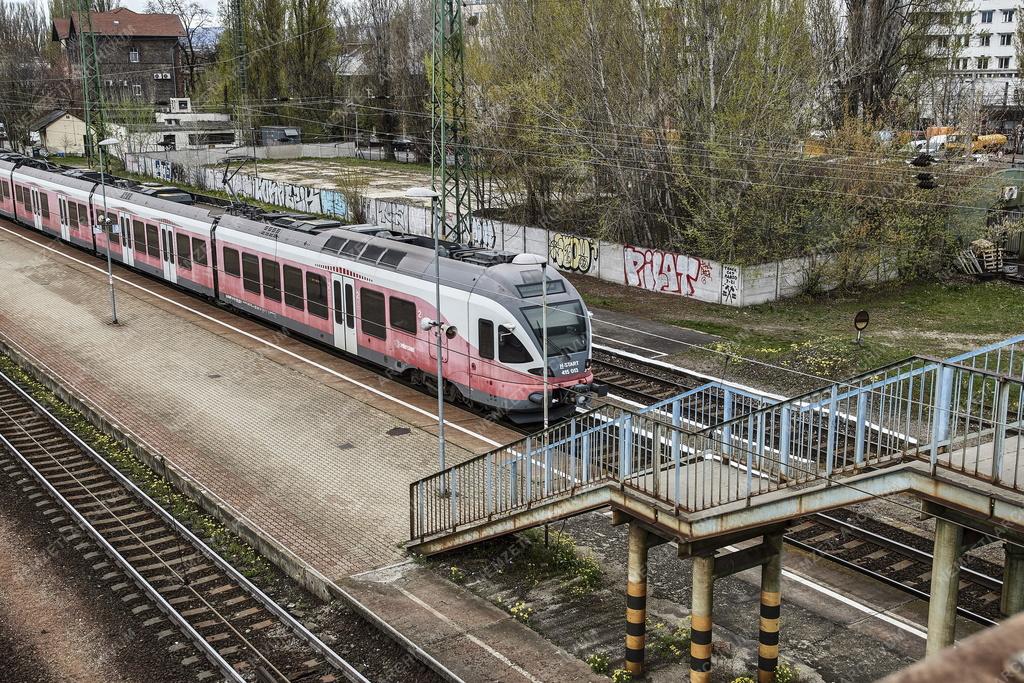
240 554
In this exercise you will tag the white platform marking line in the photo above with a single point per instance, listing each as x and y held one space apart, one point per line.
269 344
635 346
473 639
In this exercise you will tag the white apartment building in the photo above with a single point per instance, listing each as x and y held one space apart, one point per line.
980 41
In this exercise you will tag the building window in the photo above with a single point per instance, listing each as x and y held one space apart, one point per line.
137 90
316 295
1008 15
986 16
403 315
962 64
372 313
984 39
1004 62
293 295
942 42
133 55
1006 39
271 280
965 18
231 266
962 40
982 62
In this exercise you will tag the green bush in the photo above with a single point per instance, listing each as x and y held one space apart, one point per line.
599 662
621 676
671 643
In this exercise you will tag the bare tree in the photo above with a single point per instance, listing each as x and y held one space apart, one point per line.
28 77
195 19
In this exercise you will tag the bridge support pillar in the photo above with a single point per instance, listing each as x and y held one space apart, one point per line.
700 618
636 598
771 603
1013 580
949 543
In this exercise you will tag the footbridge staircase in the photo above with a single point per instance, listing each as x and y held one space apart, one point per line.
722 463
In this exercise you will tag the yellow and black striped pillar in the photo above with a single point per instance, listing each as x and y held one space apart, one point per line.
636 599
771 603
700 618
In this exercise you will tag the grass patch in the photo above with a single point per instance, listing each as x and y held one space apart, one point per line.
815 334
238 553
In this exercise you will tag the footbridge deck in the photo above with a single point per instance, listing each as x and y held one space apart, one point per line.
719 463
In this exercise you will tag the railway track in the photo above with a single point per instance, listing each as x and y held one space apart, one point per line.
240 631
640 382
904 564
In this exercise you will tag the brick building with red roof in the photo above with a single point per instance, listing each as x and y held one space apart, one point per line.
140 54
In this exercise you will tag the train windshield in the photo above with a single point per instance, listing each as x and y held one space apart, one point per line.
567 327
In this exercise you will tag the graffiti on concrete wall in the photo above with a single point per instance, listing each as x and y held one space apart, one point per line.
570 252
334 203
662 271
730 285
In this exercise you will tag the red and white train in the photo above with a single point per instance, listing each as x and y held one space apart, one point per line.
364 290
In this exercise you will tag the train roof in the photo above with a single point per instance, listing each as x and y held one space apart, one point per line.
413 254
49 176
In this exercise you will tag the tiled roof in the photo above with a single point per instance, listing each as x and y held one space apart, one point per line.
121 22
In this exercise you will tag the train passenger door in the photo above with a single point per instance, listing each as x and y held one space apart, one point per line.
37 210
167 249
127 248
345 313
65 224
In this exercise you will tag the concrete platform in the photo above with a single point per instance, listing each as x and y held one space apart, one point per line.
310 453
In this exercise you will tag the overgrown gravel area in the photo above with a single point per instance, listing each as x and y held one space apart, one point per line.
573 592
365 647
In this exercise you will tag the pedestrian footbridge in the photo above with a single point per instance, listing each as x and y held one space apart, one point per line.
719 464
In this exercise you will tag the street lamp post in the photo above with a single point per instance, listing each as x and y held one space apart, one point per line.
544 333
110 233
426 193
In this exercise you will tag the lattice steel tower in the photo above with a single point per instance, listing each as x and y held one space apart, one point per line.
92 94
448 97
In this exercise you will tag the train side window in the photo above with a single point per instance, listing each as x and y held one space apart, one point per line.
18 195
403 314
63 213
372 314
350 308
44 205
152 241
199 251
73 214
339 310
293 295
250 273
184 252
316 292
510 349
485 329
139 231
6 190
271 279
83 215
231 266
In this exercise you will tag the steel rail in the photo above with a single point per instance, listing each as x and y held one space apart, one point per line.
300 630
206 648
911 552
